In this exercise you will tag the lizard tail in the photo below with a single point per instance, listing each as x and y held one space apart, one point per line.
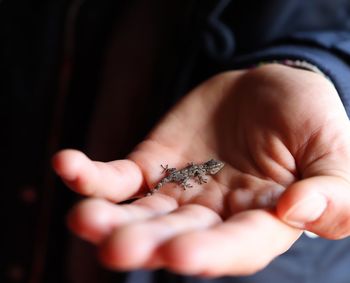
156 188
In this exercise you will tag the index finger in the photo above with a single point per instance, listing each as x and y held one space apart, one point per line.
116 180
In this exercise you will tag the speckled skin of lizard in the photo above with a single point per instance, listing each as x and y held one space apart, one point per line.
191 171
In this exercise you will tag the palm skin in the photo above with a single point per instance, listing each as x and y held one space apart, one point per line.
284 137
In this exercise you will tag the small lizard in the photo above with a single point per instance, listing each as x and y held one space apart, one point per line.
196 171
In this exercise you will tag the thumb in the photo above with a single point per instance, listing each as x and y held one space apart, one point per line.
318 204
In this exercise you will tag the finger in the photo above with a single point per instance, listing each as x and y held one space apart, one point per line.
318 204
135 246
116 181
94 219
243 245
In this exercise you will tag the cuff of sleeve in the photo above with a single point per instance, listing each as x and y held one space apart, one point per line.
332 66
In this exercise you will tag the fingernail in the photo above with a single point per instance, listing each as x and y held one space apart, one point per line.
306 211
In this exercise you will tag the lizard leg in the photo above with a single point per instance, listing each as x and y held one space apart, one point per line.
200 179
167 170
185 184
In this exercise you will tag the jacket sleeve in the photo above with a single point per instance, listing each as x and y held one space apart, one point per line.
329 51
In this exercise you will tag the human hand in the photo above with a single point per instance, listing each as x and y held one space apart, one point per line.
279 130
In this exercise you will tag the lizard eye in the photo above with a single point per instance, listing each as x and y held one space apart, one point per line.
210 163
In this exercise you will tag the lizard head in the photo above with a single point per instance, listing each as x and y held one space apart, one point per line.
213 166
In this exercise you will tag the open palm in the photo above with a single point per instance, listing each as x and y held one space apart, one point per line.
281 132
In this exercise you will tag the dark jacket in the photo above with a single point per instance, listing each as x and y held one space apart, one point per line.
58 58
